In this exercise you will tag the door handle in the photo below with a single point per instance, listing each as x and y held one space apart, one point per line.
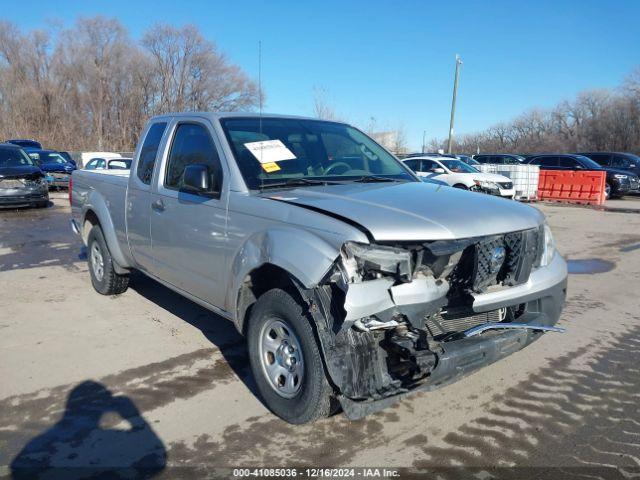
158 206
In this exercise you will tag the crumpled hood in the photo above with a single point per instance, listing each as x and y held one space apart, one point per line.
25 171
491 177
414 210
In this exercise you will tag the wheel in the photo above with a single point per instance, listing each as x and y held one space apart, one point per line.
285 359
607 191
103 276
460 186
42 204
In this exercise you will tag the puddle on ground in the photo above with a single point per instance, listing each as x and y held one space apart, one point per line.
589 265
630 248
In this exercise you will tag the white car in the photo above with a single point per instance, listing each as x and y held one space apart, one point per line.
118 163
458 174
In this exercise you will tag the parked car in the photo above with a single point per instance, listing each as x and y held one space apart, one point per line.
109 164
86 157
22 183
499 159
353 281
25 144
55 166
458 174
619 182
618 160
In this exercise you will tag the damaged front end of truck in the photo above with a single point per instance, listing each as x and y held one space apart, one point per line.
400 317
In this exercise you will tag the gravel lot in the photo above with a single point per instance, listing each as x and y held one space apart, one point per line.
150 379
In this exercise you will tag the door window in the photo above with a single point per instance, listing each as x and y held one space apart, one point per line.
545 161
192 145
568 163
149 151
428 166
601 158
412 164
620 162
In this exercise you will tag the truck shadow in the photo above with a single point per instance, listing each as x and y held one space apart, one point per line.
218 330
99 435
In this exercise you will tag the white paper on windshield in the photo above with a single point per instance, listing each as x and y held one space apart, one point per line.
269 151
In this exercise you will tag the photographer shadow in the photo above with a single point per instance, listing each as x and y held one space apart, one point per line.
99 434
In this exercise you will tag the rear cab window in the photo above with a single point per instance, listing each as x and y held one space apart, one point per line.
149 152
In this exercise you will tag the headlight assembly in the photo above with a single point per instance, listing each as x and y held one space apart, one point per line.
37 182
486 184
620 176
548 246
361 261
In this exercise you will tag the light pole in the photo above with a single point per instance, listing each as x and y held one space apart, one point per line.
453 103
424 136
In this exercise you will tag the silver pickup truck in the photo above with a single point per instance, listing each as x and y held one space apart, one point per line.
354 282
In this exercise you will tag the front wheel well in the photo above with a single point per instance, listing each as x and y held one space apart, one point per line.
258 282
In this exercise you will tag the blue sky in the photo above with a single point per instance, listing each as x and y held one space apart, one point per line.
394 60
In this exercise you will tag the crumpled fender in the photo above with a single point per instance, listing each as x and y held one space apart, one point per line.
303 254
95 202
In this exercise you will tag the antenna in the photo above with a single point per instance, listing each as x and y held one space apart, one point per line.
260 81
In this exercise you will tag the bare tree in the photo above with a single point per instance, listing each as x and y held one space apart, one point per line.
321 107
192 75
594 120
93 87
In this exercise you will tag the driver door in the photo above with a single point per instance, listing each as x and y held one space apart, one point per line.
188 231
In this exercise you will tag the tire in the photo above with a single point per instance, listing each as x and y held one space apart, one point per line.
103 276
41 204
460 186
311 398
607 191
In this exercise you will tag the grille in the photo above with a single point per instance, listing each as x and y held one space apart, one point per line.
442 323
507 259
506 185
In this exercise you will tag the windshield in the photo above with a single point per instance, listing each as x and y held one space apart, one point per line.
50 157
14 157
458 166
588 163
298 149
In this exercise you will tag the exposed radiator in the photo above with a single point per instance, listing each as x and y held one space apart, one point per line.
439 324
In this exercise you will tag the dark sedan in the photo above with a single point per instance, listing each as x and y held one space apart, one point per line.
619 182
618 160
55 166
22 183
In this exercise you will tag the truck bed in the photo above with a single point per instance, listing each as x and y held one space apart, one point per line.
102 189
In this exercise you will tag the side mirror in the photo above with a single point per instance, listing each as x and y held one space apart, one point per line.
438 170
195 179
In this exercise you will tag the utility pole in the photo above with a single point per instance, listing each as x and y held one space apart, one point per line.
424 136
453 103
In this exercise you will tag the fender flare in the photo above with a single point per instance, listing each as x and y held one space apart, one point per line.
302 254
95 203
